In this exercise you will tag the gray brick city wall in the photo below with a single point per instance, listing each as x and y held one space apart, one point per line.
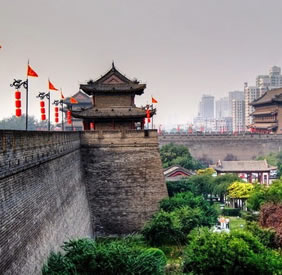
42 197
213 148
124 178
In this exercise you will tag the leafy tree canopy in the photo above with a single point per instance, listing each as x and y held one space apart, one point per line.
18 123
240 190
239 252
262 194
172 154
206 171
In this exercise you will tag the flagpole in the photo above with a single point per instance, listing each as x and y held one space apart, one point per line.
62 106
49 99
26 105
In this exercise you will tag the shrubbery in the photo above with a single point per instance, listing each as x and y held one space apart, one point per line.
164 228
232 212
86 256
177 217
235 253
174 187
266 236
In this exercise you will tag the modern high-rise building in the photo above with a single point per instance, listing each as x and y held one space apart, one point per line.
222 108
206 107
251 93
237 95
238 115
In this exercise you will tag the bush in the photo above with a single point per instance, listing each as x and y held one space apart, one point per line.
174 187
271 217
235 253
232 212
108 258
266 236
249 216
164 228
189 218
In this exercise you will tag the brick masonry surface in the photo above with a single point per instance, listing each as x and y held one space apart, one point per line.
124 179
214 148
56 186
43 200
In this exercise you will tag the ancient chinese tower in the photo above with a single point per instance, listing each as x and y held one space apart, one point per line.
114 108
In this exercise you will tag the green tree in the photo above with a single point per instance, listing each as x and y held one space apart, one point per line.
201 185
236 253
221 184
262 194
18 123
173 154
240 190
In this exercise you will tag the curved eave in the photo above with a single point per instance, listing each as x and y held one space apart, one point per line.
91 90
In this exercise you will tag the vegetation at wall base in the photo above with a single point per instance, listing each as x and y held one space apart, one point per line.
86 256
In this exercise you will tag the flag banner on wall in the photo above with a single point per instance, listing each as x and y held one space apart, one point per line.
73 100
51 86
31 72
154 100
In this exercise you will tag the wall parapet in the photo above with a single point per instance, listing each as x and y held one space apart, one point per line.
128 138
20 150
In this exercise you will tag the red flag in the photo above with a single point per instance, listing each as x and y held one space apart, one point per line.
31 72
73 100
154 100
51 86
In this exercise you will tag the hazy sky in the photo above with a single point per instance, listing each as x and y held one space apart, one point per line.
180 48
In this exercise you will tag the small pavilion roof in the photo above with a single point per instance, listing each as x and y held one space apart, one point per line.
115 82
242 166
113 112
172 170
81 97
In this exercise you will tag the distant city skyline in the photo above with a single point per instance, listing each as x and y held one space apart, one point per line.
181 49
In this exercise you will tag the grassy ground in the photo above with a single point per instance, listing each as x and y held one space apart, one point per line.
236 223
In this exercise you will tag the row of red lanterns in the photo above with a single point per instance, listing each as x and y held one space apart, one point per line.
18 106
56 114
18 103
42 110
69 117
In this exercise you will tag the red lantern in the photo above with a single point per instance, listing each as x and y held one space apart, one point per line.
18 104
17 95
42 104
92 125
43 117
56 109
149 120
42 110
56 119
148 113
18 112
69 121
69 114
56 114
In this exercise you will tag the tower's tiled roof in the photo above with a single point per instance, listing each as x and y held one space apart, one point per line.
268 97
113 81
